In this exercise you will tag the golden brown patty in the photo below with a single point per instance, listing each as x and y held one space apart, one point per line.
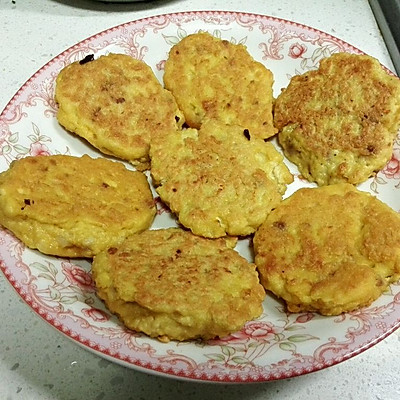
213 78
73 207
218 180
338 124
171 284
331 249
117 104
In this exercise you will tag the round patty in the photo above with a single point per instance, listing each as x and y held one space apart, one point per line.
73 206
218 180
331 249
338 123
213 78
117 104
173 285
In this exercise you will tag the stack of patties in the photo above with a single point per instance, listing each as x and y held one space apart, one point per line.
334 248
221 178
205 138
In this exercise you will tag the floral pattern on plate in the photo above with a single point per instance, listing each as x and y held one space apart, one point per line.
275 346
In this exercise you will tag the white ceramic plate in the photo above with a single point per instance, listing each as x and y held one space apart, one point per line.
61 291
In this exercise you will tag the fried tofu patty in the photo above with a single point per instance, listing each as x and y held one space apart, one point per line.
338 124
117 104
218 180
73 206
330 249
213 78
173 285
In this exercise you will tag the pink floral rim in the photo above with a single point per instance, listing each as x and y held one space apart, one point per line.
277 345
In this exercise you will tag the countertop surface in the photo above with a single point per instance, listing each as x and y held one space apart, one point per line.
37 361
